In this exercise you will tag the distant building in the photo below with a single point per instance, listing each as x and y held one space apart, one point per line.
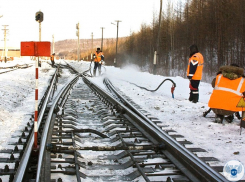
11 52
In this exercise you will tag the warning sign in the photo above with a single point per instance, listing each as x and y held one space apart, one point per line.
241 102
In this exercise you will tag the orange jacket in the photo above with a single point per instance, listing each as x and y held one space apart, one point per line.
98 56
227 93
52 58
195 66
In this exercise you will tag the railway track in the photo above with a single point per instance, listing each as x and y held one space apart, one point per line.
89 134
13 68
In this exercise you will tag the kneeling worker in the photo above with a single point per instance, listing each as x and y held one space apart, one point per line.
98 59
229 86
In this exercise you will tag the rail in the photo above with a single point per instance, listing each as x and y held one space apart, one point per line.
190 165
23 163
59 97
196 170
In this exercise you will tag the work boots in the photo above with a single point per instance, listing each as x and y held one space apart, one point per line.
195 98
229 118
191 97
94 73
219 118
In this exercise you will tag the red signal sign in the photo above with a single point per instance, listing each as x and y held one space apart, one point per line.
35 49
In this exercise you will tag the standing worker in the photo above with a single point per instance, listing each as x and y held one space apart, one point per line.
194 72
98 59
52 59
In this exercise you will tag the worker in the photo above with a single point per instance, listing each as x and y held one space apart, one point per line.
52 59
98 58
194 72
229 86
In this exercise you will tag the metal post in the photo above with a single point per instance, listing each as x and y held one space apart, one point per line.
117 39
92 47
159 28
102 39
78 46
52 43
78 42
5 43
36 107
40 31
154 62
5 50
115 59
36 96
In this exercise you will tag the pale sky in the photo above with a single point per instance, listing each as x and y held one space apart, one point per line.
61 17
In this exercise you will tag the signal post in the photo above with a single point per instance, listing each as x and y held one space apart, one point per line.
39 19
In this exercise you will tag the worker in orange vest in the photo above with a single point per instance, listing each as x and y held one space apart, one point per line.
229 86
52 59
98 60
194 72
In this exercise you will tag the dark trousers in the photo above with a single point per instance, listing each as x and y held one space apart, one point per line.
194 90
97 65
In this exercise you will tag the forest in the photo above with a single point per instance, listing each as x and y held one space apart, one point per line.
215 26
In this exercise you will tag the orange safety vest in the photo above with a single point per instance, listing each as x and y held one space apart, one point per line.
98 56
198 74
52 58
227 93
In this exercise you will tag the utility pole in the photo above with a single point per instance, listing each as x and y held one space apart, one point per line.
115 60
78 42
87 47
158 39
102 39
92 46
52 43
5 31
117 36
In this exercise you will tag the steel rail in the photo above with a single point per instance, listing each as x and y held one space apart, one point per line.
17 66
75 157
133 159
25 158
47 123
12 68
197 170
202 170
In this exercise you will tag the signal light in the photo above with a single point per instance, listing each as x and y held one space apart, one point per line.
39 16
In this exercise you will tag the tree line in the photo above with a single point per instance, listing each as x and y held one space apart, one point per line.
215 26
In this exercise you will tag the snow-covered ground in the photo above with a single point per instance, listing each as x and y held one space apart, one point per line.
222 141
